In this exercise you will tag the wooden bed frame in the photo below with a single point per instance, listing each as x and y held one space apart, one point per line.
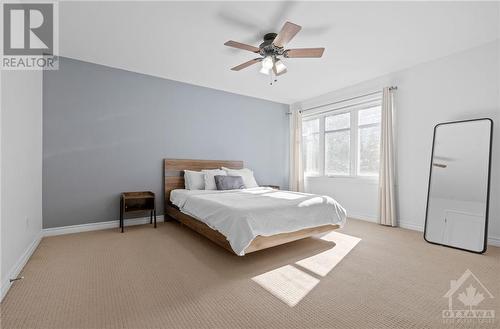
173 177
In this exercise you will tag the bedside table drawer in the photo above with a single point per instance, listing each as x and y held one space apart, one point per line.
139 204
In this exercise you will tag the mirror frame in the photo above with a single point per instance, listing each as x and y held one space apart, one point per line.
487 212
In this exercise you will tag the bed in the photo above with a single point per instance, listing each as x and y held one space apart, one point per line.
245 221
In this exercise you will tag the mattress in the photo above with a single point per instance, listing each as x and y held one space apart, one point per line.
242 215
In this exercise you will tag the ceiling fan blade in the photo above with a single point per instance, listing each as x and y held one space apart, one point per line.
288 31
240 45
304 53
246 64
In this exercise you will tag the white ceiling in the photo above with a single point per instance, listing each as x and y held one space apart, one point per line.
184 40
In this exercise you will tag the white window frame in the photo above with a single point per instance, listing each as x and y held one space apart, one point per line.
354 138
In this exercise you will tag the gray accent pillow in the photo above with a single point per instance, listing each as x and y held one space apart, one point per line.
229 182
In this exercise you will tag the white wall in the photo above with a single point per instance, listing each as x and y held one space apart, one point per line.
359 196
461 86
21 170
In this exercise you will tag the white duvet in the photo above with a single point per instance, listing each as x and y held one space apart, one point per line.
242 215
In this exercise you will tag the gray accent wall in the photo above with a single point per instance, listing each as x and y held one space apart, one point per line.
107 130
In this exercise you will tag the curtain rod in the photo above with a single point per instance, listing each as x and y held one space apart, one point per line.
344 100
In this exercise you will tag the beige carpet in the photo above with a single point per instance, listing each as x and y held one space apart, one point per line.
173 278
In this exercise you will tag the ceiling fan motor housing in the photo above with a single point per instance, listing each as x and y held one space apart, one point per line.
267 48
270 36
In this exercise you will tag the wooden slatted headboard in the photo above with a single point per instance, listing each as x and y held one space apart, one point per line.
173 171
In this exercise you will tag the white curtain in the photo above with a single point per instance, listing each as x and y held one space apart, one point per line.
296 169
387 180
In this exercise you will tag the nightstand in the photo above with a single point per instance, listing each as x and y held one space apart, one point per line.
276 187
137 201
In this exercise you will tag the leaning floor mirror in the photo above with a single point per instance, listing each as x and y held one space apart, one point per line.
459 183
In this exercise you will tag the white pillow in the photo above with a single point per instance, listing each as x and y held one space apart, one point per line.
245 173
209 177
194 180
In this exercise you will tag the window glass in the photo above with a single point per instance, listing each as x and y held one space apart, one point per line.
310 147
339 121
335 141
369 116
310 127
337 152
369 150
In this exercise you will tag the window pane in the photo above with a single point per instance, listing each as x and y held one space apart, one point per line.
368 116
310 127
369 151
310 146
310 154
337 150
339 121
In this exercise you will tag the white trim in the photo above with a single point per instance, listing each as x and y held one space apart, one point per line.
410 226
354 145
363 217
372 180
344 106
353 129
494 241
18 267
14 272
96 226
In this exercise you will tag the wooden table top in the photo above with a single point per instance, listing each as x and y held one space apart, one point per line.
138 195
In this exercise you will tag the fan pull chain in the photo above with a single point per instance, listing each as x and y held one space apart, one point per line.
272 78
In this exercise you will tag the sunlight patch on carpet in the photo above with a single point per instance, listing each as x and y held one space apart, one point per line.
287 283
322 263
291 284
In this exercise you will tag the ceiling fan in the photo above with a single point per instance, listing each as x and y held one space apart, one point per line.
273 48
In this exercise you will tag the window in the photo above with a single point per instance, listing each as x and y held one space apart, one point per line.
343 143
310 147
337 144
368 141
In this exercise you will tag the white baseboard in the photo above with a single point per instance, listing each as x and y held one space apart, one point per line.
494 241
411 226
96 226
14 272
367 218
17 268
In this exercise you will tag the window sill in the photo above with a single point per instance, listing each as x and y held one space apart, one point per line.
353 179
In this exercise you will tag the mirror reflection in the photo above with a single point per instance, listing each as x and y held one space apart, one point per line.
458 186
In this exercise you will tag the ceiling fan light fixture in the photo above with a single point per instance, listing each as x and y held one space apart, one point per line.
280 66
265 71
273 48
267 63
